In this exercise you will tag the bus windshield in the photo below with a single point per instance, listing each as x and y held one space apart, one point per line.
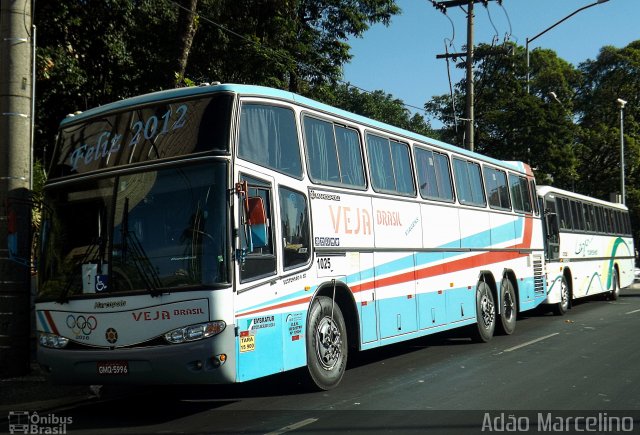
143 231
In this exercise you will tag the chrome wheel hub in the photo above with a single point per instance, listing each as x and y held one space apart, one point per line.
487 310
328 343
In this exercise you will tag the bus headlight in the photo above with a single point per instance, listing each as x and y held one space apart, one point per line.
195 332
52 340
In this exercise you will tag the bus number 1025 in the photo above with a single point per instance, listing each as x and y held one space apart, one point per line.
324 263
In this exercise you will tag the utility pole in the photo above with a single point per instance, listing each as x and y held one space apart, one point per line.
15 190
469 110
470 131
621 104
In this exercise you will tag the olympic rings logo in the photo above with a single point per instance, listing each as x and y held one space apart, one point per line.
81 324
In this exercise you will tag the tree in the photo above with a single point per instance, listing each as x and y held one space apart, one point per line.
92 52
614 74
288 44
512 124
95 51
376 105
187 24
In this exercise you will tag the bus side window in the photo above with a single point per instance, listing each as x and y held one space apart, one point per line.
294 215
520 196
268 137
350 155
390 166
321 150
495 182
469 183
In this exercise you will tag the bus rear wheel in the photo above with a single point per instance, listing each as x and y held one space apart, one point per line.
485 314
615 292
326 341
509 308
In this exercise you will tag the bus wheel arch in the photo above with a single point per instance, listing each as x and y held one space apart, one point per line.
329 333
508 303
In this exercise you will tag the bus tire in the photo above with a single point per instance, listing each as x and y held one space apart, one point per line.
326 341
615 292
485 314
562 307
509 308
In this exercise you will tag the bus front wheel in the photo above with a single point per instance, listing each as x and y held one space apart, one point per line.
326 341
485 314
563 306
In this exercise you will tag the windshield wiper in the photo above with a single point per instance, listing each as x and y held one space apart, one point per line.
144 266
138 255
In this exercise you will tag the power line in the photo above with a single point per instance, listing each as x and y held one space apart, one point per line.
469 109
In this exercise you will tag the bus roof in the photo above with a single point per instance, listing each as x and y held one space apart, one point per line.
544 190
261 91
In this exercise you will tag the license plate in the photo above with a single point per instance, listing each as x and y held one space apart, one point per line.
113 368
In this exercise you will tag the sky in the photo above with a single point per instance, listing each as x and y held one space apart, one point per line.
401 59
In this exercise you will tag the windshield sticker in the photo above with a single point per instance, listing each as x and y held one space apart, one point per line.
138 134
109 142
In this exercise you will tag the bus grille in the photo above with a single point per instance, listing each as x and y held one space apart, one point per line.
538 275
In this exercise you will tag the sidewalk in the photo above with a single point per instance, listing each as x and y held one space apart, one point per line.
35 392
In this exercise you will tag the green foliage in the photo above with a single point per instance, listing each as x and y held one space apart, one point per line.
512 124
614 74
567 127
95 51
377 105
288 44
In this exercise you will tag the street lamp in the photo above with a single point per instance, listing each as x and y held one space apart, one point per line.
551 27
621 104
570 117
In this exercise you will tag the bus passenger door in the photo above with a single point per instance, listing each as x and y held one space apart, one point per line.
551 230
259 338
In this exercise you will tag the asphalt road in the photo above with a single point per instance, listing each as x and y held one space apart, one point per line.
551 371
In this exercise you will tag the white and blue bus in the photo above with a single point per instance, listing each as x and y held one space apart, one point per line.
222 233
589 247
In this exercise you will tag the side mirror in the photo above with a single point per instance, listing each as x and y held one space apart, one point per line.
254 217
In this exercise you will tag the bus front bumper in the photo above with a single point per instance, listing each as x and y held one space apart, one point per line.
208 361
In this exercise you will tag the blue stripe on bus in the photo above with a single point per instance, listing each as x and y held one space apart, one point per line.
394 266
407 262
